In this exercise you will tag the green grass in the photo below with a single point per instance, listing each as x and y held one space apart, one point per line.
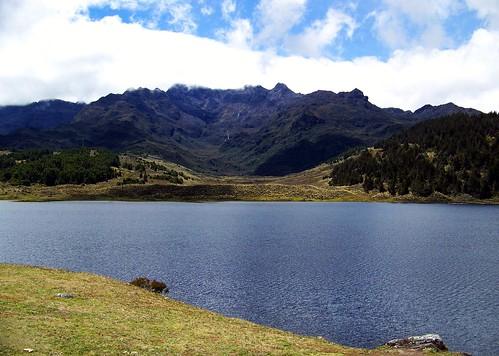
112 317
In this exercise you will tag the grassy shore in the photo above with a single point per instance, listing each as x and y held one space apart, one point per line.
204 192
111 317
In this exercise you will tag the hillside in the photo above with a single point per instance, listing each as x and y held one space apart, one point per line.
454 155
111 317
41 115
251 131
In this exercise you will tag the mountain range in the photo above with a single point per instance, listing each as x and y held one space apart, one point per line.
249 131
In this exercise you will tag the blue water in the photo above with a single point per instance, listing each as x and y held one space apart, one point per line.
354 273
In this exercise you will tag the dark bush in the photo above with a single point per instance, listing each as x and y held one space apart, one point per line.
130 181
150 284
158 286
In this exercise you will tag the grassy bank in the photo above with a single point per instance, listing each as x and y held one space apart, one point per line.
264 191
112 317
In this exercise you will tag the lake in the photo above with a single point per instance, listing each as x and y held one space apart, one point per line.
355 273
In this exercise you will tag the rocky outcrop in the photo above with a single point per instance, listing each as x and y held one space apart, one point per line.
65 295
428 341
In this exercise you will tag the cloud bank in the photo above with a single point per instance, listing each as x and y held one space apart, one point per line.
49 51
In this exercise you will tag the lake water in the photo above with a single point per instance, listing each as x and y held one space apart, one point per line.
355 273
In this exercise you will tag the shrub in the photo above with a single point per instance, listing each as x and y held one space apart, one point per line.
150 284
158 286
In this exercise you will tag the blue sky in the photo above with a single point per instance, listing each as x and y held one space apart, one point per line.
401 53
208 17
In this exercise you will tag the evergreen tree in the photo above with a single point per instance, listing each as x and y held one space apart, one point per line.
452 155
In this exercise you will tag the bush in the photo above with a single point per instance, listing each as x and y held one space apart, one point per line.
158 286
150 284
129 181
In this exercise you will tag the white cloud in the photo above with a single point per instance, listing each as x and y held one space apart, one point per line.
390 29
179 11
68 56
207 10
240 35
228 7
277 18
428 16
486 9
423 11
181 17
322 33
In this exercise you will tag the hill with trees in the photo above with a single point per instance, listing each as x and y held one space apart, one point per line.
79 166
458 154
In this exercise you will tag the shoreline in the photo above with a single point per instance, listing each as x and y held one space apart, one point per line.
38 195
113 200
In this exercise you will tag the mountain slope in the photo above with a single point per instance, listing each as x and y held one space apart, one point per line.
452 155
237 132
41 115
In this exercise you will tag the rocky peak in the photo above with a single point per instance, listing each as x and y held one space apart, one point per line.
355 94
177 90
431 111
281 91
282 88
425 108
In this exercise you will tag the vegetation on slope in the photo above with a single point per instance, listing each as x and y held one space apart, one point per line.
455 155
110 317
55 168
149 169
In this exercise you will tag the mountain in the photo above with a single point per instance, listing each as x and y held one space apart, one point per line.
41 115
452 155
250 131
430 111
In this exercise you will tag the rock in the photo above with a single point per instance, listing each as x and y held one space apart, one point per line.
28 350
65 295
428 341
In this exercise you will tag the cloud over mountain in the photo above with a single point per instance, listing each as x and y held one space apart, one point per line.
58 50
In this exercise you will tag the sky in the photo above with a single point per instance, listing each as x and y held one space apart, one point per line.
401 53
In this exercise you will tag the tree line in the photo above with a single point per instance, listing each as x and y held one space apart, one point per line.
452 155
78 166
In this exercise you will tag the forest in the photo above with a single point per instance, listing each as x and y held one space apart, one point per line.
78 166
458 154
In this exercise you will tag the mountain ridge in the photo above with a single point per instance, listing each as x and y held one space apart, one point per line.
44 114
245 131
